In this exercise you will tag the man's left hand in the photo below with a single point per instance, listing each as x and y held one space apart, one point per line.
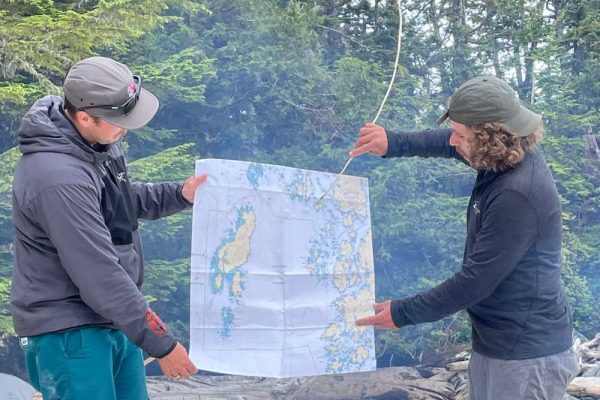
188 191
381 320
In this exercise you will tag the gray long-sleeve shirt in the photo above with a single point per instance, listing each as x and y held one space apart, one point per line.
78 258
510 277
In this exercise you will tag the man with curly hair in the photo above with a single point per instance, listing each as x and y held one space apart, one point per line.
509 281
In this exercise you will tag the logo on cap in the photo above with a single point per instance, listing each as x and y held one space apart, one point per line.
131 89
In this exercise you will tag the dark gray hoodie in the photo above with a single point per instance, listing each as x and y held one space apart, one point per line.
78 257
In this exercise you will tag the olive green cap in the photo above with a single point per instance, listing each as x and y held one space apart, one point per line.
488 99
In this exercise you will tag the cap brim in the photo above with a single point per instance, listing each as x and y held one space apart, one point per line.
144 110
524 123
443 117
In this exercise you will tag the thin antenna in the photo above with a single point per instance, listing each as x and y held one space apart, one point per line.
389 89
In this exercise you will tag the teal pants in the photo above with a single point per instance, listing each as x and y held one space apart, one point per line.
85 363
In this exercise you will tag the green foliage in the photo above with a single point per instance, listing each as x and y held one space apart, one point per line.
418 229
5 281
586 310
42 42
18 94
174 164
5 318
185 72
49 39
167 237
42 39
576 179
270 76
8 162
167 284
356 82
5 265
6 226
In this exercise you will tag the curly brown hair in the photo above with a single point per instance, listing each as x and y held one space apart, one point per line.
497 148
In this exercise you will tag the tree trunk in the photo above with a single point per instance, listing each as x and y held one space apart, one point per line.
458 30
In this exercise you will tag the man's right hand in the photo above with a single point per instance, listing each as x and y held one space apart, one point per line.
381 320
177 364
372 139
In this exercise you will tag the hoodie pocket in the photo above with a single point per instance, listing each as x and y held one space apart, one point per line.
130 260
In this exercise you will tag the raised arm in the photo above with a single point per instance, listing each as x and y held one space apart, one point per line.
430 143
159 200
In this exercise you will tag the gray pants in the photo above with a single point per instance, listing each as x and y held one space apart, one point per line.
543 378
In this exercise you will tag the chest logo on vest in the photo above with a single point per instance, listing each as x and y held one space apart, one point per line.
121 177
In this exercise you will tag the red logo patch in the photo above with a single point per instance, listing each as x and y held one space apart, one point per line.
156 325
131 89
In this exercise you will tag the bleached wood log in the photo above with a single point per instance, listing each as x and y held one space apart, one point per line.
458 366
589 386
400 383
592 343
585 366
593 354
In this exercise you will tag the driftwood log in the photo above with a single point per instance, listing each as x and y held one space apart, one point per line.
585 386
443 381
398 383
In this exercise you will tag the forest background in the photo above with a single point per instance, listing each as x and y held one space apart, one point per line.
291 83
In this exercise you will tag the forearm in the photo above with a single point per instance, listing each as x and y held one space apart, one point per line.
158 200
508 229
429 143
455 294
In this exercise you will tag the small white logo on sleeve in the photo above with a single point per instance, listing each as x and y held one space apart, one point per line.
476 207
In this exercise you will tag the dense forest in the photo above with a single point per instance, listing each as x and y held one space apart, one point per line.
291 82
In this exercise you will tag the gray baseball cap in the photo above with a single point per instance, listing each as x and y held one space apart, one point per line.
107 89
489 99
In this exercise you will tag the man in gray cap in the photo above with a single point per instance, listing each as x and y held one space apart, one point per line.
75 298
509 281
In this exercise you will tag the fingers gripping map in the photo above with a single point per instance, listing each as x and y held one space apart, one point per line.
277 278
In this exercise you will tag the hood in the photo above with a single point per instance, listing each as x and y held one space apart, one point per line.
45 128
